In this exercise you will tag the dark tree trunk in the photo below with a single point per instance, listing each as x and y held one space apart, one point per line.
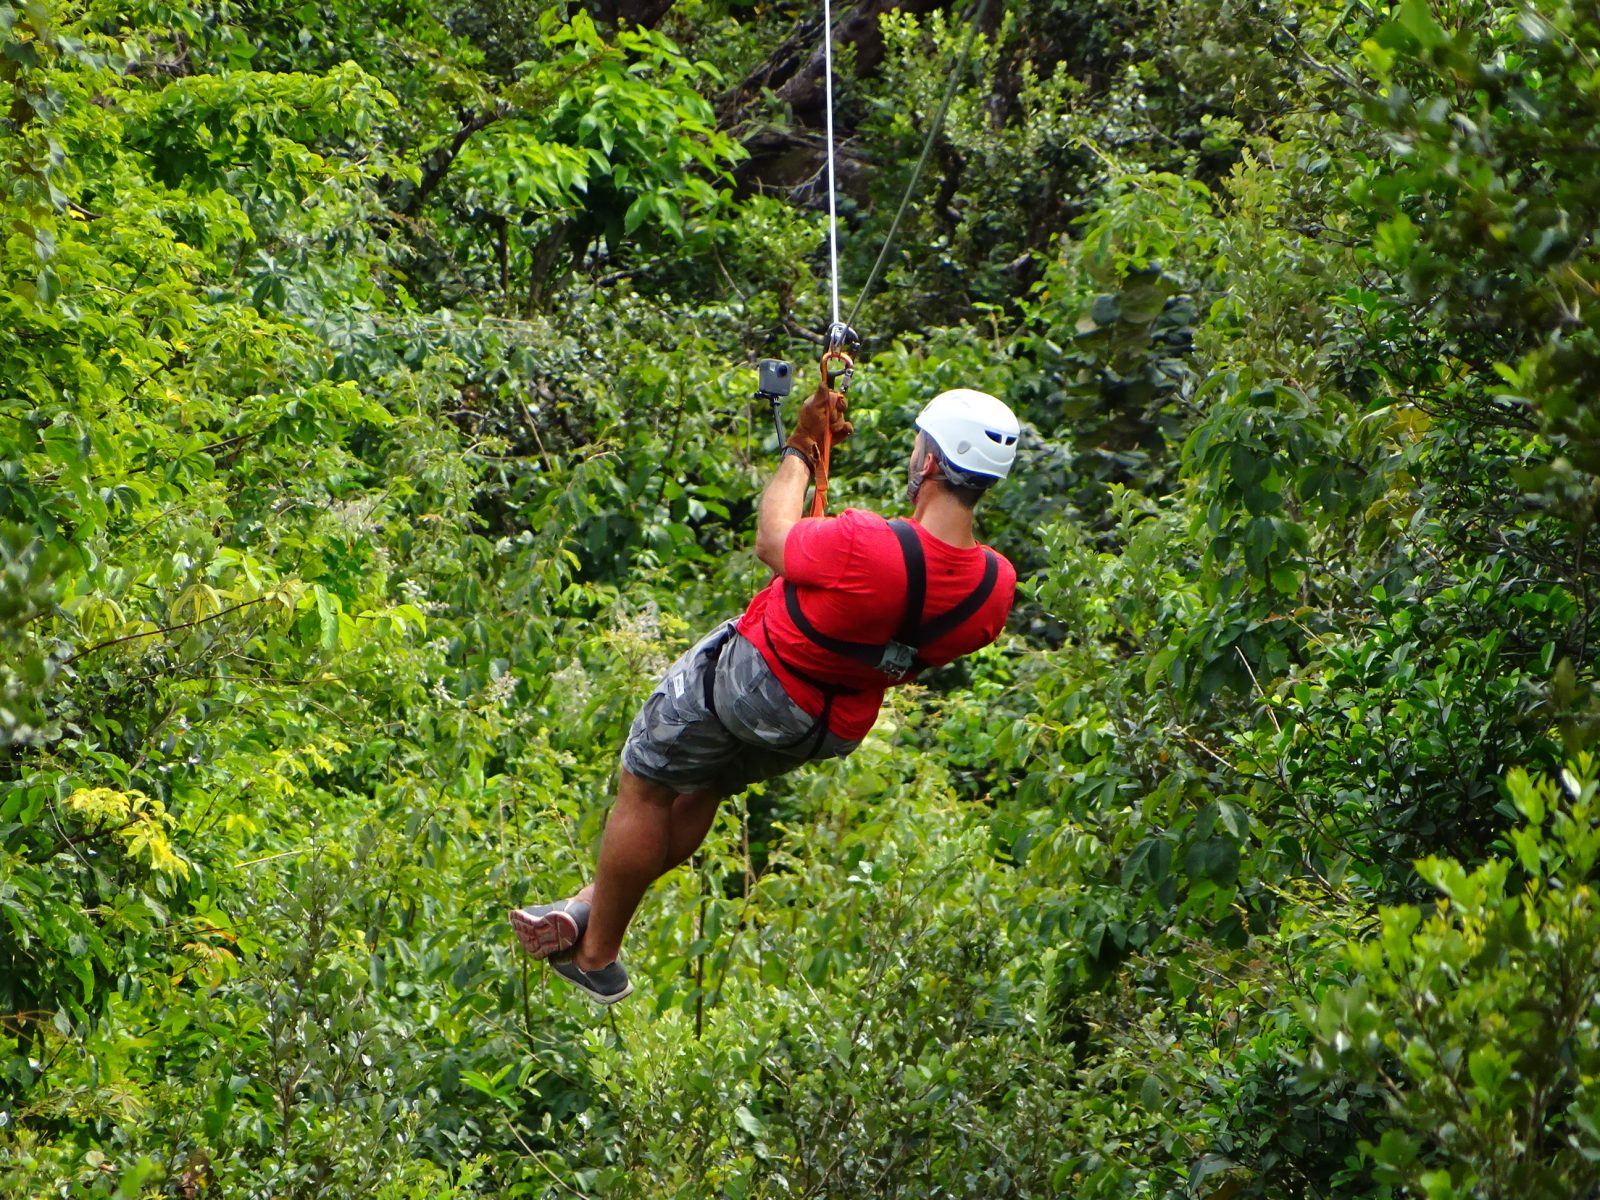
632 12
794 69
436 165
542 265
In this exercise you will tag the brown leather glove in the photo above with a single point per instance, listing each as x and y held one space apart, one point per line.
813 420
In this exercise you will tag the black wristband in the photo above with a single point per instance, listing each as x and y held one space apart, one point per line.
800 454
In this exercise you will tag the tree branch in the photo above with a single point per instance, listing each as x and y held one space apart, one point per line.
133 637
442 158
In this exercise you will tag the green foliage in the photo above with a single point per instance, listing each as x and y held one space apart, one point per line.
28 589
373 436
599 146
1474 1020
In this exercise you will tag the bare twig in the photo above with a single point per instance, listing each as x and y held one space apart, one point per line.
1267 705
133 637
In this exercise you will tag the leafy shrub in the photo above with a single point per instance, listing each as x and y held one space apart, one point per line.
1475 1020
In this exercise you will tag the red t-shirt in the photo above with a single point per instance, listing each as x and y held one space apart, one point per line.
851 582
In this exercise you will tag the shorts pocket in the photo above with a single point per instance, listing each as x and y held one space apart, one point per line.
753 705
760 721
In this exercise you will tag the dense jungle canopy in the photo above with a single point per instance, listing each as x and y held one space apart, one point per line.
376 424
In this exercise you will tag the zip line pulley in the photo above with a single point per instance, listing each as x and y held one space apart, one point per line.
837 366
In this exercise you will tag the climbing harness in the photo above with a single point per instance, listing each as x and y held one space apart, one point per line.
899 657
837 365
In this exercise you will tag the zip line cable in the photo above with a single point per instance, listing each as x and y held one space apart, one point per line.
839 334
827 105
974 18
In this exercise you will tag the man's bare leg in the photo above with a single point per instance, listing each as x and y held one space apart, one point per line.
692 815
650 830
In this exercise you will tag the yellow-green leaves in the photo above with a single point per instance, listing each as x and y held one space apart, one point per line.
138 822
197 603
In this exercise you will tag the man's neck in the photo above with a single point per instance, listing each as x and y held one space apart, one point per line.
942 515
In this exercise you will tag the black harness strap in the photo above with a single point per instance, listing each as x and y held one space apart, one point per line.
934 629
866 653
709 684
709 673
899 657
916 581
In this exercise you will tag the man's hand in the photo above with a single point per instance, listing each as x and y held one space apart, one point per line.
825 407
783 503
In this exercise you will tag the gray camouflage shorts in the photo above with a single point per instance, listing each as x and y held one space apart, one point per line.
749 731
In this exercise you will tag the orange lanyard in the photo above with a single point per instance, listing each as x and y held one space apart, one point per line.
819 498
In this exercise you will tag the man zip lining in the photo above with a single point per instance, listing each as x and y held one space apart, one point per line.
801 675
857 604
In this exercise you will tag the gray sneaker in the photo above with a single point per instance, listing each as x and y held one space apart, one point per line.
546 929
603 985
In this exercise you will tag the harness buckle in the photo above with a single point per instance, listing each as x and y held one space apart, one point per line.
898 659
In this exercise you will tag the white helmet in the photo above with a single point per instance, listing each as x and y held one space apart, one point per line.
974 431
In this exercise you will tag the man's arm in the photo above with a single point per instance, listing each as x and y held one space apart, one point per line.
782 506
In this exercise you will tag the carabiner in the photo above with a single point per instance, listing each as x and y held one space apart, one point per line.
842 374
